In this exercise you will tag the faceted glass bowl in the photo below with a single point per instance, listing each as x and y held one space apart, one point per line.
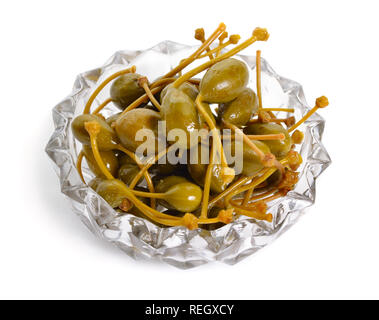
179 246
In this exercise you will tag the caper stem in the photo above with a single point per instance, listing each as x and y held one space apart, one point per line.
146 174
79 161
140 100
219 48
149 194
273 197
258 75
93 96
215 50
102 106
165 81
288 121
279 109
262 176
143 83
151 213
303 119
259 180
213 129
254 214
238 131
200 35
222 195
264 194
267 173
252 184
321 102
207 185
247 196
146 167
278 136
221 39
220 29
208 220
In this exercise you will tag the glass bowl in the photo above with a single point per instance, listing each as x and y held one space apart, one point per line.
179 246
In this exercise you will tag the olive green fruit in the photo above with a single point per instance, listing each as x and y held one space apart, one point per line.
179 112
275 178
109 158
251 162
112 118
279 148
127 173
163 169
112 191
184 197
106 138
240 110
131 122
93 184
125 159
188 88
137 212
224 81
198 170
163 184
125 89
180 194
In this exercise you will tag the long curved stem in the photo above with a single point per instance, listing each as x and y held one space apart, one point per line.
166 81
98 158
208 221
238 131
254 214
215 50
247 196
79 165
303 119
263 137
258 75
279 109
151 213
207 185
212 127
321 102
143 83
227 191
146 174
263 175
146 167
102 106
149 194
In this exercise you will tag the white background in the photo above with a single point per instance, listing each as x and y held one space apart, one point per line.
331 47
